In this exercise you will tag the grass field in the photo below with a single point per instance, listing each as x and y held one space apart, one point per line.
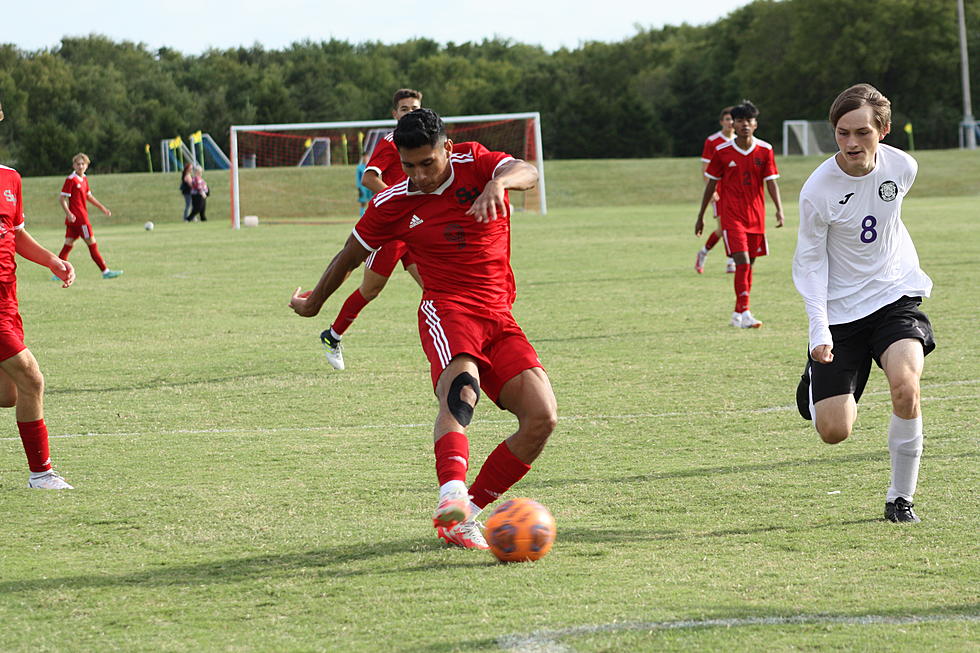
234 493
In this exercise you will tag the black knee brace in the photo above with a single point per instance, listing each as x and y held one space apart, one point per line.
459 409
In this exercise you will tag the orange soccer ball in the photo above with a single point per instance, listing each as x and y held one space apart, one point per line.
520 530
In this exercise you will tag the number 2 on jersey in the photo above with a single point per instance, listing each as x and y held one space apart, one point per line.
868 233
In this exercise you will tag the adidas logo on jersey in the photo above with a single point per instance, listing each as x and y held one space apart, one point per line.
416 221
731 164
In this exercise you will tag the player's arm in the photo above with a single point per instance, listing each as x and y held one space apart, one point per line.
709 192
773 189
69 216
810 276
345 262
372 181
26 246
704 169
100 205
513 175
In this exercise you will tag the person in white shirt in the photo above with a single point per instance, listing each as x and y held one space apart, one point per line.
858 272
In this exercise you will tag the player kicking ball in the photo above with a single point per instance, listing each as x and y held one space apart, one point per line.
858 272
453 214
21 381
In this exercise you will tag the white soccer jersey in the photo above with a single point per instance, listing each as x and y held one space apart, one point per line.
854 254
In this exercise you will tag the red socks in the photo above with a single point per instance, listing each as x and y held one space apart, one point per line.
501 470
743 285
452 457
93 251
34 436
63 255
712 240
348 313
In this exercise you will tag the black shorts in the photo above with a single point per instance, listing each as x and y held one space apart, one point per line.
859 342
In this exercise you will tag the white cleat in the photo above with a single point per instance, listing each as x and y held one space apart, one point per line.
48 481
736 320
699 261
465 534
333 350
749 322
453 508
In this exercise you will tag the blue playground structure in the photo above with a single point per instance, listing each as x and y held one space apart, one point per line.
174 153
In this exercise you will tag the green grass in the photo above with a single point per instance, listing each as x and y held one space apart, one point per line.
236 494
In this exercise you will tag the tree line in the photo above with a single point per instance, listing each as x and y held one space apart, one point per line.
657 93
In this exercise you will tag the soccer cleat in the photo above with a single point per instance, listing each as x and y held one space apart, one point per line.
749 322
453 508
730 268
900 511
699 261
803 394
49 481
736 320
111 274
334 353
466 534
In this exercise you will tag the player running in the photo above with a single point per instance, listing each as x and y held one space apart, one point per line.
75 195
21 381
453 214
383 170
858 272
711 143
745 164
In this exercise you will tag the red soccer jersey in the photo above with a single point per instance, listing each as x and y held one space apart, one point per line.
386 161
458 258
11 220
711 143
76 190
744 173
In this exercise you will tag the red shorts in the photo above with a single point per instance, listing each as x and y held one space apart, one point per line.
11 326
737 240
78 229
494 339
384 260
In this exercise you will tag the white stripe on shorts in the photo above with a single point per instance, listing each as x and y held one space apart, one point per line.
85 232
370 259
436 333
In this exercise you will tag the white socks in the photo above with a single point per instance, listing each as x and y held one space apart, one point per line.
452 487
905 446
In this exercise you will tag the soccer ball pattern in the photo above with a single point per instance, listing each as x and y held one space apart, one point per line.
520 530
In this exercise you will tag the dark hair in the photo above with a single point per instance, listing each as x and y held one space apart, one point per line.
856 97
727 111
403 93
746 110
419 128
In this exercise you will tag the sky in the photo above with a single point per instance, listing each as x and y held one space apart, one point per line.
192 26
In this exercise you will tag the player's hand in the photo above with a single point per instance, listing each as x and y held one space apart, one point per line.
107 211
70 217
699 225
823 353
779 219
715 197
491 203
64 271
300 303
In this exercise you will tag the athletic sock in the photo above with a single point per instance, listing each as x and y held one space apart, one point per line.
743 273
34 436
93 251
905 447
500 471
348 312
711 242
63 255
452 457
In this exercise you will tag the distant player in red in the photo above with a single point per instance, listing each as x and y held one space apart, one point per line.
75 195
711 143
21 381
453 213
383 169
746 165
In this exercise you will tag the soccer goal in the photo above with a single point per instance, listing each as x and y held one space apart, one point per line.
808 137
305 171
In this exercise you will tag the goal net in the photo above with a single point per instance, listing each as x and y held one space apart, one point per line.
306 171
808 137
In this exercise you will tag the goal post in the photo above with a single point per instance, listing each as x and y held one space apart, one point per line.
808 137
285 160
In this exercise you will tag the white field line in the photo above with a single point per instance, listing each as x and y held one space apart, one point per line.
546 641
563 418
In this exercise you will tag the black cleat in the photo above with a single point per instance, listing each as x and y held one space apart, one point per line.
900 511
803 394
